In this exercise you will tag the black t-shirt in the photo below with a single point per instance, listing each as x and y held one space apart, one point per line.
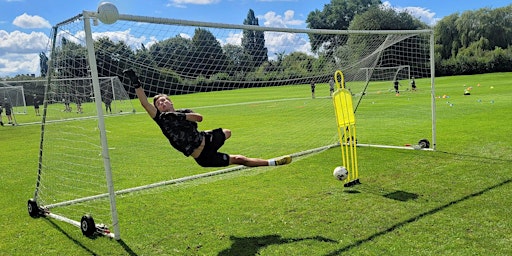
182 134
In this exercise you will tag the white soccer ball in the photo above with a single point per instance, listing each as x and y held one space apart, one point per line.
340 173
107 13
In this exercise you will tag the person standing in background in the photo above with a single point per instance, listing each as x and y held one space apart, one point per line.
8 110
36 105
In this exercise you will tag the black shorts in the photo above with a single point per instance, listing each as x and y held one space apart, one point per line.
210 157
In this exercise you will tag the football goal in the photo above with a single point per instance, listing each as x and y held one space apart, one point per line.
265 84
64 94
13 95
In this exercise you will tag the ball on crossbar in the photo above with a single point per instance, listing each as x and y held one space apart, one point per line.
107 13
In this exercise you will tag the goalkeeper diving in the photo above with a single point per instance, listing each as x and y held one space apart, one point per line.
180 127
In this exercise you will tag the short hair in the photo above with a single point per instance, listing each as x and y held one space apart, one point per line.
158 96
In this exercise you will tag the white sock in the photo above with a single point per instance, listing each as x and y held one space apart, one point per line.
272 162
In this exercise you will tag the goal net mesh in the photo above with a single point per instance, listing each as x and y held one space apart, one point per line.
14 96
71 91
256 81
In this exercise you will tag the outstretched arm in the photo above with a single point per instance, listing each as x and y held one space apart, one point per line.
144 102
141 95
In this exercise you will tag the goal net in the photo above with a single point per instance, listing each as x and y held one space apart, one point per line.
13 95
270 86
68 91
399 73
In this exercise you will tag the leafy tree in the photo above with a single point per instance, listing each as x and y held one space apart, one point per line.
336 15
253 41
491 24
72 60
447 36
474 42
173 54
298 64
208 57
143 56
500 27
238 60
111 57
378 18
277 64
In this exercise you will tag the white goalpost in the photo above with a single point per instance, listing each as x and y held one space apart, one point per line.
13 95
244 72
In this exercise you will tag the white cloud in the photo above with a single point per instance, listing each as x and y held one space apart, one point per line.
274 20
277 0
187 36
183 3
421 13
277 42
28 21
14 64
19 52
234 38
116 36
20 42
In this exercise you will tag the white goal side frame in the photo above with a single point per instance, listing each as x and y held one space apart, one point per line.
35 209
101 125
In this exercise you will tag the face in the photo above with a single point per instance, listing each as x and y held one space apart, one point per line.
163 103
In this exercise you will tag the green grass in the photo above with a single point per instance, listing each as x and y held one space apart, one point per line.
454 201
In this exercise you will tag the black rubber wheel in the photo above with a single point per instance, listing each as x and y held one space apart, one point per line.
424 143
33 209
87 226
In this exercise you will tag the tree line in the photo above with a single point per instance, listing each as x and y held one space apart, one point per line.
469 43
473 42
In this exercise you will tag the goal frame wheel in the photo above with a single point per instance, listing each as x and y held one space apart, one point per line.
424 143
33 209
87 226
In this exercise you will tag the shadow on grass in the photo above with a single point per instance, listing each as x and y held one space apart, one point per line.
397 195
127 249
400 195
246 246
58 228
416 218
473 157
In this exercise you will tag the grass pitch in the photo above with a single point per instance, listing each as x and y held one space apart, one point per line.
454 201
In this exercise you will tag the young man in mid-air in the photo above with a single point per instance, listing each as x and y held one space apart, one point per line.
180 128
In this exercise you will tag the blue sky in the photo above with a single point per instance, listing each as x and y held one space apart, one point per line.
25 25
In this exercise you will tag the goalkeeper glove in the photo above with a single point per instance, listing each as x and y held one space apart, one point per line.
134 80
